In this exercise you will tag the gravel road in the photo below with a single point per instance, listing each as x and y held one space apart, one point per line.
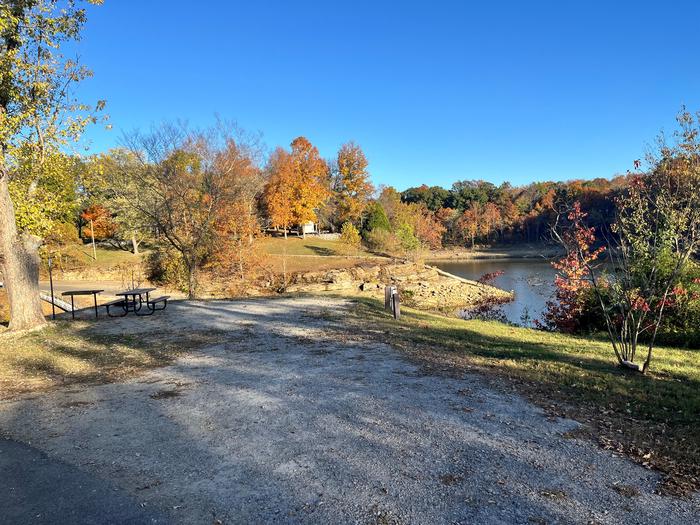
289 422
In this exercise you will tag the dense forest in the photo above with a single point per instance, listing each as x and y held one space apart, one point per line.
479 211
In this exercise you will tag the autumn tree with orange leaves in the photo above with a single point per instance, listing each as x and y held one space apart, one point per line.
100 225
491 220
237 225
565 312
279 190
185 184
468 223
298 185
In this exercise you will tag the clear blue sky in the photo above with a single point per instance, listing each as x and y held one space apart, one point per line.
433 91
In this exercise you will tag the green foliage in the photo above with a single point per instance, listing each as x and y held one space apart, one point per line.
376 219
36 80
102 186
466 192
680 324
165 266
433 197
44 194
407 238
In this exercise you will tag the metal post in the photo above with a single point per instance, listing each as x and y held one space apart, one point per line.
53 305
395 303
387 297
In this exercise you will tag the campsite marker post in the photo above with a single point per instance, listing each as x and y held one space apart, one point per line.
392 301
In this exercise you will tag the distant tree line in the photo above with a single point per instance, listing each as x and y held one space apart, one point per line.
477 211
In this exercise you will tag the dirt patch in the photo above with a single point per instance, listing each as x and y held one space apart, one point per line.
553 494
76 404
450 479
165 394
654 445
627 491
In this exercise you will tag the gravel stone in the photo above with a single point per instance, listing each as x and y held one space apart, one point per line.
285 422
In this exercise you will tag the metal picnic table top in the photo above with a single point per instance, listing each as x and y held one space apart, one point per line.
73 293
81 292
135 291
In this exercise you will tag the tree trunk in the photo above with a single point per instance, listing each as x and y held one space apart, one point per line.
191 267
19 261
92 234
134 244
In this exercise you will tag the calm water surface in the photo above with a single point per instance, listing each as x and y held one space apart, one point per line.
532 280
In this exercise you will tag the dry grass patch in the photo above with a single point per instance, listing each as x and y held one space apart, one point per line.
74 352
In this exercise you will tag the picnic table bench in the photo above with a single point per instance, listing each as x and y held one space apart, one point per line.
133 301
73 293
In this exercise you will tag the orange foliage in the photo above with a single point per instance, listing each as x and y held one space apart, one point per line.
468 223
99 222
298 184
426 227
491 219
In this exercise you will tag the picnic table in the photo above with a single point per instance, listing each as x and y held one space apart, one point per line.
133 300
135 304
73 293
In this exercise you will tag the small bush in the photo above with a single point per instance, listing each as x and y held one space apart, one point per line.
381 240
407 238
164 266
349 235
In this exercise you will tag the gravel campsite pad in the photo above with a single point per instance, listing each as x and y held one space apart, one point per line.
287 421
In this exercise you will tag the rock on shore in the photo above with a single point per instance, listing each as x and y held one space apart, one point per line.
420 285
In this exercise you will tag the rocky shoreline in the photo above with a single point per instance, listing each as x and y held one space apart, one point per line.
421 286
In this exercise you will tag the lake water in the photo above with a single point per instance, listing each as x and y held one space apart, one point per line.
532 280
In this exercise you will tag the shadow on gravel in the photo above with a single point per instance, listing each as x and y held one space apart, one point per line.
293 422
38 489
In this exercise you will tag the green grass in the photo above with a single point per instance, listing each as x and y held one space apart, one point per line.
309 246
658 412
313 254
78 257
